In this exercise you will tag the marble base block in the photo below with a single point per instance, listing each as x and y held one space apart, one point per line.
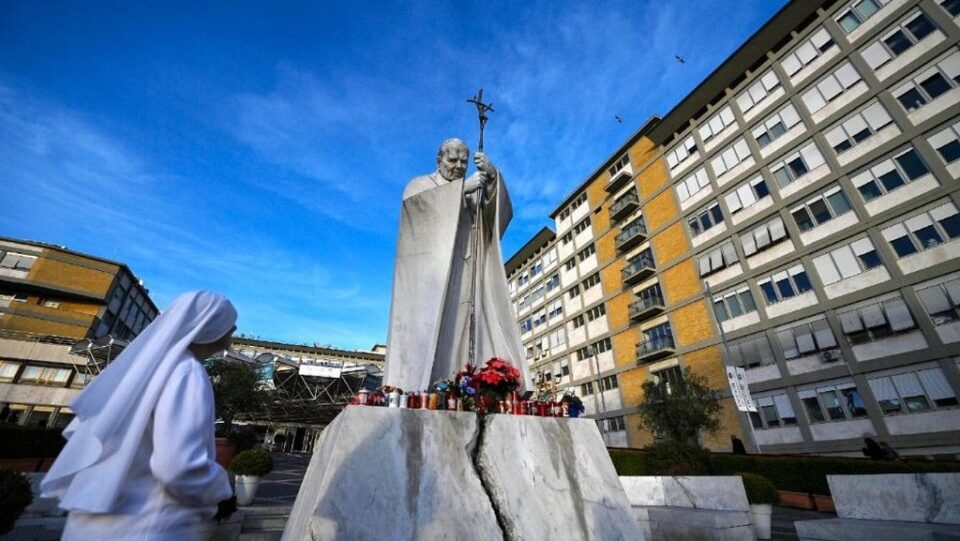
919 497
393 473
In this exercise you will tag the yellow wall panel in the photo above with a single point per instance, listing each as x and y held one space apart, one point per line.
691 324
85 279
618 310
660 211
670 244
637 437
625 348
631 386
611 276
708 363
653 177
681 282
606 246
729 424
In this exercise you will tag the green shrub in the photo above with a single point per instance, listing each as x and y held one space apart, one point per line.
244 439
759 489
15 496
628 462
29 442
676 458
252 462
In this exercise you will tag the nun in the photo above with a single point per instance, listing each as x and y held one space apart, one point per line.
139 459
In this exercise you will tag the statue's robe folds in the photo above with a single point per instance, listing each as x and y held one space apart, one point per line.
429 335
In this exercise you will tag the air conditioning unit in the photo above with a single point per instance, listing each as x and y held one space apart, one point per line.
830 356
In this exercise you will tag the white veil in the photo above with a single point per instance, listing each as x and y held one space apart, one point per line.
114 410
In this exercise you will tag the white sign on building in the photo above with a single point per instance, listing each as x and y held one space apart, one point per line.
737 377
320 371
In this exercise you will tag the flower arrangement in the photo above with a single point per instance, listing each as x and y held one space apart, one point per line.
485 388
546 390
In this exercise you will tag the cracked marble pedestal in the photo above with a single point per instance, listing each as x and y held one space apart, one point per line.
386 473
901 507
553 479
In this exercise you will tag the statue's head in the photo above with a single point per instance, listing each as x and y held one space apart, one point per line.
452 159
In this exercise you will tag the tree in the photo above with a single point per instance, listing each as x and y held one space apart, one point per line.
679 410
236 389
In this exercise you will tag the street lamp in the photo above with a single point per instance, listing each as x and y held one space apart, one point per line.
592 352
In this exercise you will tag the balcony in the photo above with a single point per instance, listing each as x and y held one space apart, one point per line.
625 205
620 177
655 348
638 268
646 307
632 234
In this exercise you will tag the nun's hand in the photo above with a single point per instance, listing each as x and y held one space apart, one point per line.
225 509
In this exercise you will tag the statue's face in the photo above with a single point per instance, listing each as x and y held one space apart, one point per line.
452 162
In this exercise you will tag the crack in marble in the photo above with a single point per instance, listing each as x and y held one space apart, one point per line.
502 521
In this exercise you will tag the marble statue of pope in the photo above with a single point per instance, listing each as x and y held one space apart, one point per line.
429 329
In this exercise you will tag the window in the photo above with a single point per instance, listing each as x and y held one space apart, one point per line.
785 284
524 302
894 43
578 321
596 311
859 127
558 337
574 292
821 209
16 261
751 352
705 219
523 279
40 375
889 174
734 304
8 370
952 6
570 264
582 226
942 301
586 389
806 338
668 376
612 424
830 87
847 261
555 309
526 326
658 337
609 383
947 143
717 123
550 257
774 411
81 379
592 280
776 125
858 12
586 252
763 236
913 392
596 348
924 231
721 257
796 165
618 165
876 321
566 239
930 83
536 294
536 269
553 282
747 194
681 152
540 318
730 157
808 51
837 402
689 186
758 91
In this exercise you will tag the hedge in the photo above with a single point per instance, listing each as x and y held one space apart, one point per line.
806 474
29 442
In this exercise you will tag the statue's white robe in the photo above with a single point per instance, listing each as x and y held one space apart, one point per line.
428 336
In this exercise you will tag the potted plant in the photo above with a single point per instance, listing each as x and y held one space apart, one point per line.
15 496
249 466
762 495
236 391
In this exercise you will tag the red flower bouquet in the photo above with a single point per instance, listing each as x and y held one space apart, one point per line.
486 387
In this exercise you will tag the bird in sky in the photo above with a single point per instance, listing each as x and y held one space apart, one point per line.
619 120
680 59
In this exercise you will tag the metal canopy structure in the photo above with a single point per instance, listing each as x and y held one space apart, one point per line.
296 393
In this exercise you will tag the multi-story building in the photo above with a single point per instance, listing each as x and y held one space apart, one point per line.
50 299
796 215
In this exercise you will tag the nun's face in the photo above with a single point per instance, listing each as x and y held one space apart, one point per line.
205 351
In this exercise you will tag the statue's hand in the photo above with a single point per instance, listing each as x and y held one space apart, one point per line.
484 165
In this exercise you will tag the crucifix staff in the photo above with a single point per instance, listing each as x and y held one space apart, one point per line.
477 251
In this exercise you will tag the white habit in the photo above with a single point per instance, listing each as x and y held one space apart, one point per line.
428 337
139 459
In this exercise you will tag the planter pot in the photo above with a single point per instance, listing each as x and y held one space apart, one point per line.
225 452
760 512
798 500
824 503
247 488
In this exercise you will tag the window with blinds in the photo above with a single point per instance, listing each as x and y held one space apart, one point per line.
876 321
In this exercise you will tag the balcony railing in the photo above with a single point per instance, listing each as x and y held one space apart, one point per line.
655 348
625 205
644 307
638 268
620 177
634 233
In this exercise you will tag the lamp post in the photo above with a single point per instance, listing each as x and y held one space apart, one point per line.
592 352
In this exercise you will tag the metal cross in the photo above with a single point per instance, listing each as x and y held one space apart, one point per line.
482 109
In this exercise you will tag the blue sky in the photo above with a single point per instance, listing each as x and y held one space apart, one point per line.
260 149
